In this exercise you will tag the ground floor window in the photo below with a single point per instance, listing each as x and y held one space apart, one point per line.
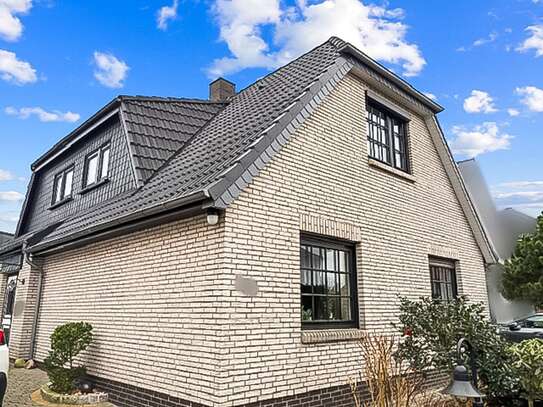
328 283
443 279
9 299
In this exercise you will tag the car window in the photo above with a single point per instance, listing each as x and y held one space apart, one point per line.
534 322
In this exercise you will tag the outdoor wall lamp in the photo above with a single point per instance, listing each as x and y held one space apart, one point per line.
461 386
212 217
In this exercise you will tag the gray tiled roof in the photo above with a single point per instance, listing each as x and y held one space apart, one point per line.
200 163
158 127
179 155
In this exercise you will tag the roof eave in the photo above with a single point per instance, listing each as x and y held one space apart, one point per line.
97 118
112 228
382 70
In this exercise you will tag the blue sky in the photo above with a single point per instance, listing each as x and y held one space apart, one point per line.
482 60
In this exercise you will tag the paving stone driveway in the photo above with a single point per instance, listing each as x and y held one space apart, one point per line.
21 383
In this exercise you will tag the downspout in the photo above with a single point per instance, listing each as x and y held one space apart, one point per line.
28 260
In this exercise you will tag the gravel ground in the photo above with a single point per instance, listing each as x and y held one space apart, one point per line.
21 384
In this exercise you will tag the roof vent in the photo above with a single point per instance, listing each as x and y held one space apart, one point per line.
221 89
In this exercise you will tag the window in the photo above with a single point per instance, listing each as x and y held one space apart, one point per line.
535 321
96 166
10 295
62 185
443 278
328 284
387 137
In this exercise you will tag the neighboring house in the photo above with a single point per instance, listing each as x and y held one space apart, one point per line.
232 251
503 227
5 237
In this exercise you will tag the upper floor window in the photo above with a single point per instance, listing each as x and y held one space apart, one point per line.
328 284
62 185
443 278
96 166
387 137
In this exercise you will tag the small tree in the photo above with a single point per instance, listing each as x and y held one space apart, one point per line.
523 276
528 367
432 330
67 341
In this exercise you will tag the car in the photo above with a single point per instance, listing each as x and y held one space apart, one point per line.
4 365
522 329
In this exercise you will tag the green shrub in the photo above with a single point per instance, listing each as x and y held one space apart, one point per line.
432 330
528 367
523 276
67 341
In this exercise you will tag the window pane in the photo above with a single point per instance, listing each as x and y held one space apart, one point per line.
319 282
68 183
320 308
344 284
307 308
92 169
318 258
343 261
333 308
331 284
346 309
331 259
105 163
58 188
305 257
306 281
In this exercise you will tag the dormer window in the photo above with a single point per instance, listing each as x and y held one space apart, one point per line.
62 185
387 137
96 166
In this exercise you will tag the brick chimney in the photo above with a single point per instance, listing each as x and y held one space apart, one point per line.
221 89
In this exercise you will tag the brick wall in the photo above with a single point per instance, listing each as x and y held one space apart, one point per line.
322 182
153 300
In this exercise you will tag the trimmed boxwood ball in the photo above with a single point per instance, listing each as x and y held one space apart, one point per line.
19 363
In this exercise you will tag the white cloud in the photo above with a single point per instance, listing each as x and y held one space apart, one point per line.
513 112
532 97
480 139
165 14
111 71
522 184
14 70
11 27
534 41
522 195
430 95
9 216
11 196
487 40
6 175
42 115
479 102
376 30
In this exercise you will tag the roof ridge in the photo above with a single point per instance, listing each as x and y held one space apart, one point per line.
170 99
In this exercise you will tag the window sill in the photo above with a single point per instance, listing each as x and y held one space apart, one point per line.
387 168
332 335
60 203
93 186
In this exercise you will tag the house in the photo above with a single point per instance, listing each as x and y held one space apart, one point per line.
5 237
231 251
503 227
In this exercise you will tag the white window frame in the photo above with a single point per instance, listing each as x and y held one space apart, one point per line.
101 175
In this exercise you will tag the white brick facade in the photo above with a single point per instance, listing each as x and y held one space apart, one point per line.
322 181
164 304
